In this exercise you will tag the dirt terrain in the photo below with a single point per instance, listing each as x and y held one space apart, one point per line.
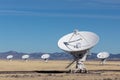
55 70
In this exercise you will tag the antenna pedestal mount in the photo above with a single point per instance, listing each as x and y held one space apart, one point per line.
79 58
80 68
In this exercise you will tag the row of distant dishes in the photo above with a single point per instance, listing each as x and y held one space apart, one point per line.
25 57
102 55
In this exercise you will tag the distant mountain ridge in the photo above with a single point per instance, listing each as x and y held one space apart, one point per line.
53 56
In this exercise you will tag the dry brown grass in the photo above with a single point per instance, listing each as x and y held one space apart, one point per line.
19 65
31 65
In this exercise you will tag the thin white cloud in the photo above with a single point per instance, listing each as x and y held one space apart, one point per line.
92 4
12 11
101 1
108 1
61 4
47 14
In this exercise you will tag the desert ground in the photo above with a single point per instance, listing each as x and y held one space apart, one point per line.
55 70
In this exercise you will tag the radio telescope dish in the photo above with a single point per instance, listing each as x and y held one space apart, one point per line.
78 44
103 56
9 57
45 57
25 57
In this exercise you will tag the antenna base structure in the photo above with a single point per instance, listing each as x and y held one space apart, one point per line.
103 61
80 68
79 58
78 44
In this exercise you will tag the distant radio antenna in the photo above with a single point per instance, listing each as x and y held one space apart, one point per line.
45 57
9 57
103 56
25 57
78 44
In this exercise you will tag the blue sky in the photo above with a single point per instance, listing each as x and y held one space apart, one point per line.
36 25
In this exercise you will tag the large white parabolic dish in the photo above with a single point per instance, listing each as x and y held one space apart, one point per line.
78 44
78 41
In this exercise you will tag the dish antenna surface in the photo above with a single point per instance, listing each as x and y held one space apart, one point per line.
9 57
78 44
103 56
45 57
25 57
